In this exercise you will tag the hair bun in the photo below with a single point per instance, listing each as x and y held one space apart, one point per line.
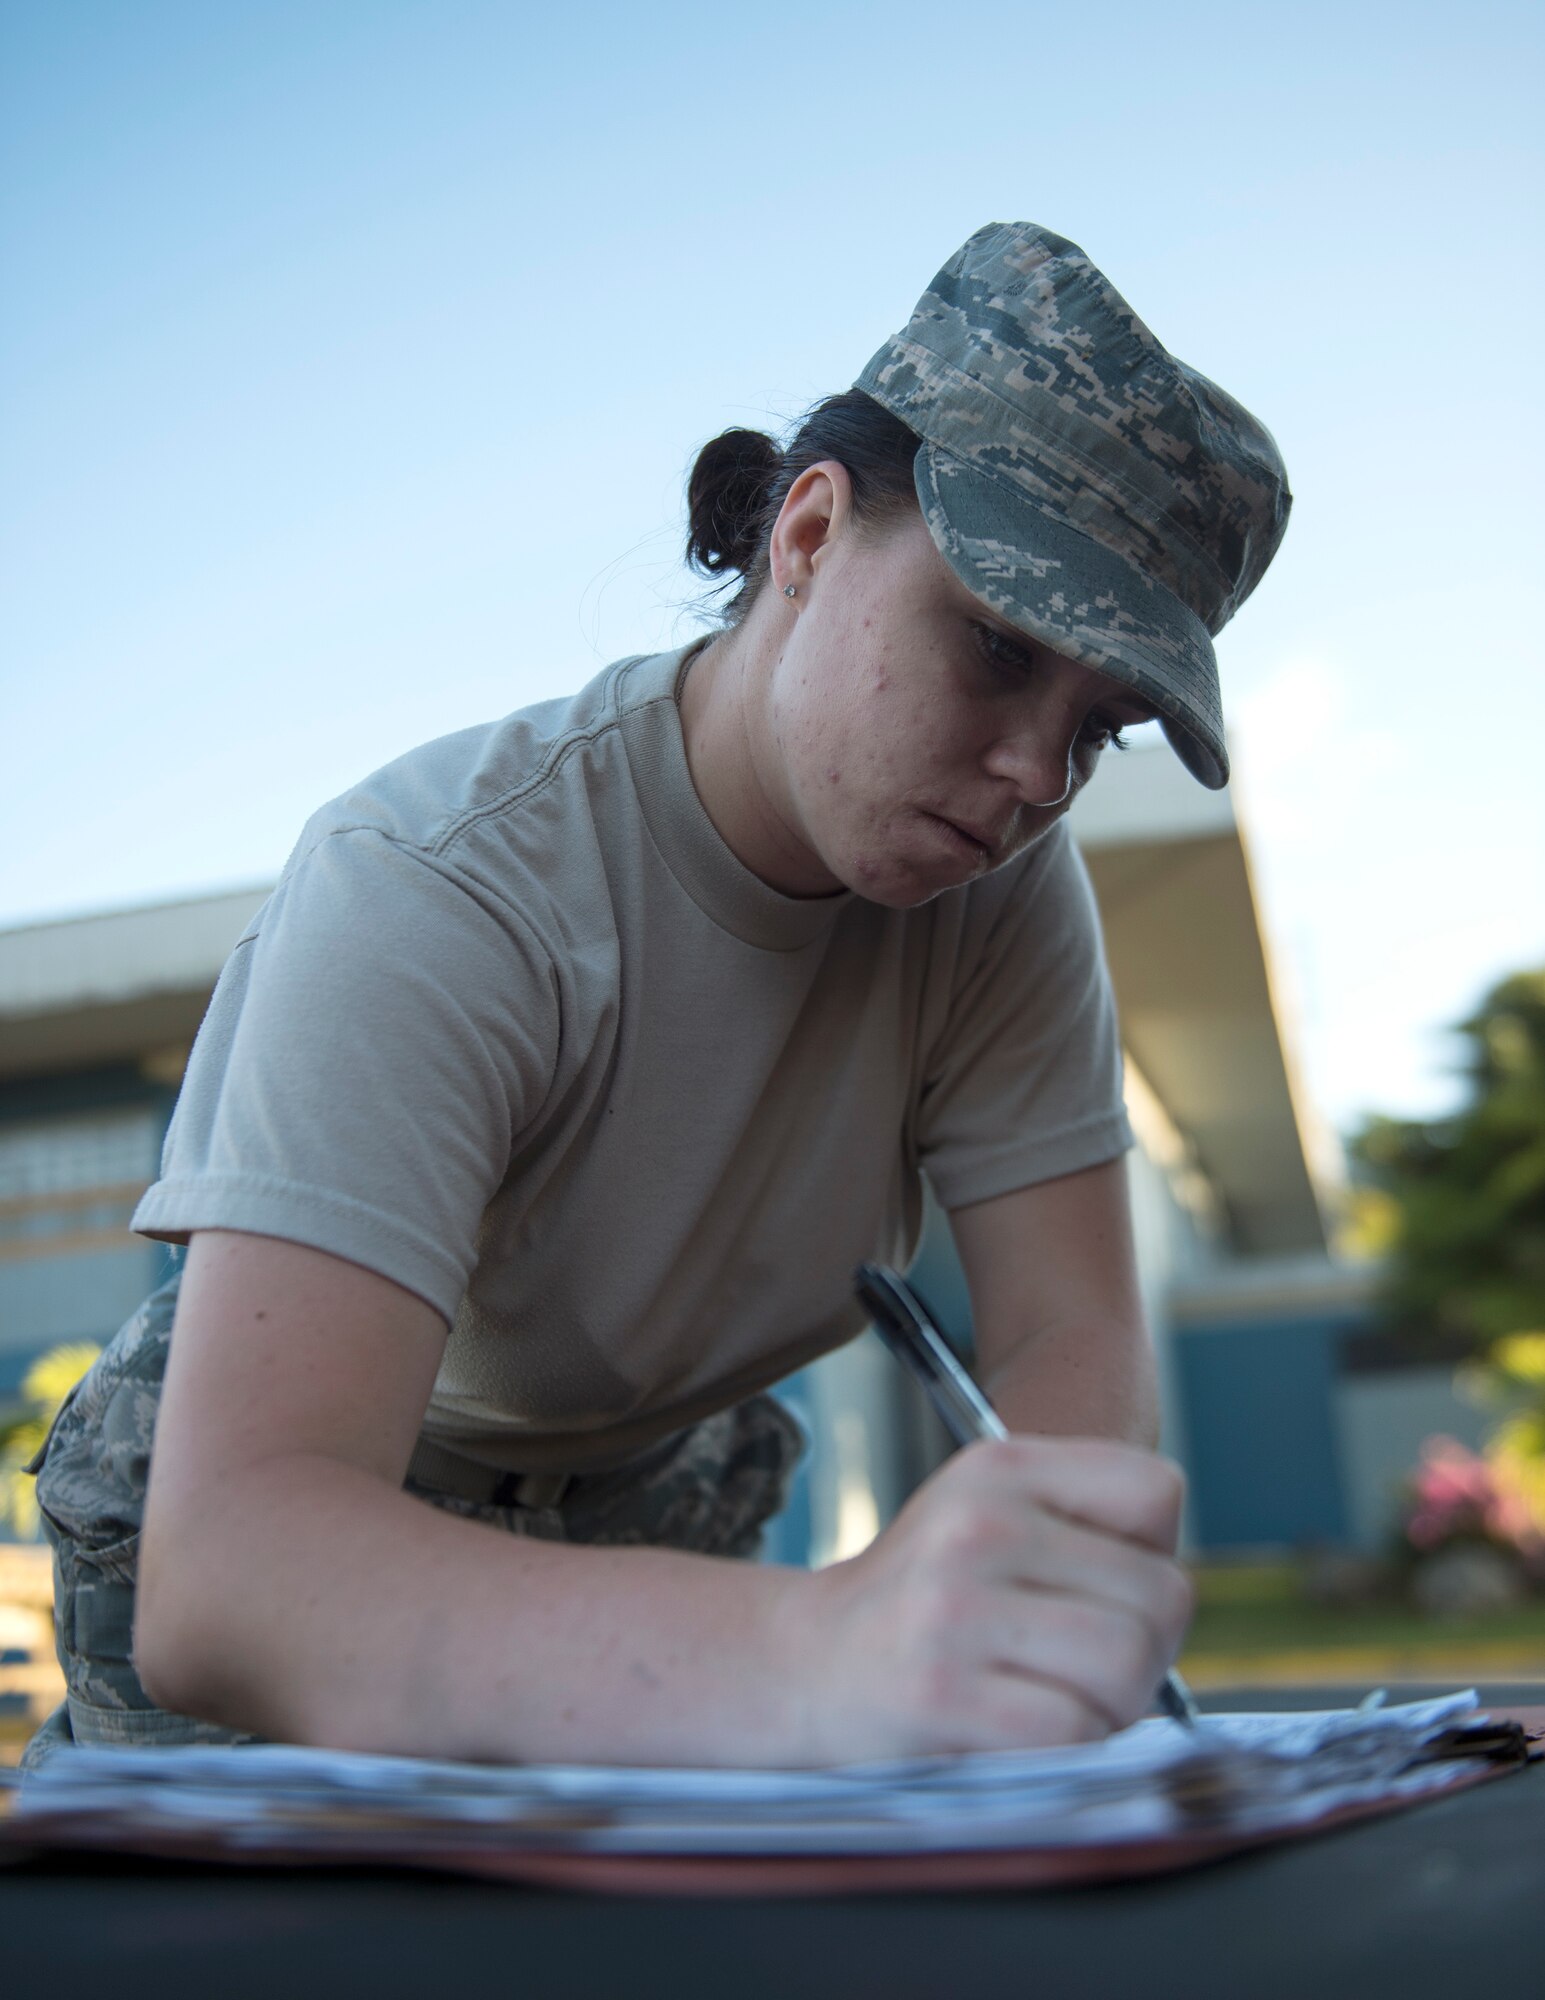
726 496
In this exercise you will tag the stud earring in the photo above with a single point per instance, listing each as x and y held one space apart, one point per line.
788 590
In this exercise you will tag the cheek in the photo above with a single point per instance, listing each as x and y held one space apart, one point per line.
897 752
868 723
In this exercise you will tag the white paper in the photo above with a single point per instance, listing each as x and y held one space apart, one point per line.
1232 1774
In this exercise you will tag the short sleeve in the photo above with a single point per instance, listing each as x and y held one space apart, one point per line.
1023 1083
374 1044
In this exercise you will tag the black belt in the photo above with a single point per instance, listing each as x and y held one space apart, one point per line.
486 1485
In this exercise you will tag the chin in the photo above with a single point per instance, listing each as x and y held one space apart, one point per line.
901 900
896 889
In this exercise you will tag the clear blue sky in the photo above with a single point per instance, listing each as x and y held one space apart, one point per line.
352 356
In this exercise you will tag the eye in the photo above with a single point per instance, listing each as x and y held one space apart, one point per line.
1000 651
1100 733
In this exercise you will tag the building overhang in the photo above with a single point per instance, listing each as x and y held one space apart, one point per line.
1201 1013
122 986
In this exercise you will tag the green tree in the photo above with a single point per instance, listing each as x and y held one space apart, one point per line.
46 1384
1463 1210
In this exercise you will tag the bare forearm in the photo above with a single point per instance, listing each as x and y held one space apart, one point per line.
1024 1595
289 1587
1065 1383
1059 1313
312 1604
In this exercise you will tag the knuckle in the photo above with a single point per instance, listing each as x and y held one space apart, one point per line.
930 1678
1006 1458
1157 1495
939 1685
962 1530
1179 1606
935 1603
1173 1482
1119 1657
1169 1483
939 1604
1131 1654
997 1462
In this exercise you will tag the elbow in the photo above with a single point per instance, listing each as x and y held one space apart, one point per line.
165 1651
157 1671
206 1638
181 1655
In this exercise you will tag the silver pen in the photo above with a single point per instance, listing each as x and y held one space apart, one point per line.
906 1329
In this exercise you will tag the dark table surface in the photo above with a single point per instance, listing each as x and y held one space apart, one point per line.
1445 1899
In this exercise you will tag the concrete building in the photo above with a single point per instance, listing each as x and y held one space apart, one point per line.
96 1018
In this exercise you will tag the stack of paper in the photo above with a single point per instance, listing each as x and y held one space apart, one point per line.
1242 1775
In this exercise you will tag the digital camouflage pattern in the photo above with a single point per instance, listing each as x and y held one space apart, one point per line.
710 1490
1093 490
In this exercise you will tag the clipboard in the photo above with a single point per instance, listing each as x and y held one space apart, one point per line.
1496 1745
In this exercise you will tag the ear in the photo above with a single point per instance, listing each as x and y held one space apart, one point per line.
815 514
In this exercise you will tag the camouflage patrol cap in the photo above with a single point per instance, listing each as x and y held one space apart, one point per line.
1091 489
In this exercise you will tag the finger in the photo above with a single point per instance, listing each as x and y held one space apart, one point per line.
999 1536
1014 1711
1063 1557
1104 1654
1118 1488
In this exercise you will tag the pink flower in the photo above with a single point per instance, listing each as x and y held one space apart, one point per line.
1455 1493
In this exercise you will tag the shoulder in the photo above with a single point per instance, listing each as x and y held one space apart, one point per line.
505 811
434 795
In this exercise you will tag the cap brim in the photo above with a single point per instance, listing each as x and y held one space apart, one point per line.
1080 598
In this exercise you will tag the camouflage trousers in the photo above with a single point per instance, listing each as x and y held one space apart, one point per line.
709 1489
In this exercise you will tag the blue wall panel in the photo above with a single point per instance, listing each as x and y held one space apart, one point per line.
45 1300
1260 1429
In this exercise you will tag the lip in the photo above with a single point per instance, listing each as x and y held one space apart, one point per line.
985 844
986 838
983 838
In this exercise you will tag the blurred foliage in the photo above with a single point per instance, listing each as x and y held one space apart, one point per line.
1512 1379
1368 1225
1457 1205
1266 1613
44 1387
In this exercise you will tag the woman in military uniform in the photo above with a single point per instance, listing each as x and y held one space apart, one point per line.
541 1115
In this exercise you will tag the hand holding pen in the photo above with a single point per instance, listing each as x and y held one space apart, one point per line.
965 1411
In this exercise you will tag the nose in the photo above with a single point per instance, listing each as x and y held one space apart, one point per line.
1038 763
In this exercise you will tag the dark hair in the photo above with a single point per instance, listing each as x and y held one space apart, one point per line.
741 480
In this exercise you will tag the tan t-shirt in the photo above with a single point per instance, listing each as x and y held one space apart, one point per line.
518 1031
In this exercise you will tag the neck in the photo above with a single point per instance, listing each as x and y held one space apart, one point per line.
733 756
